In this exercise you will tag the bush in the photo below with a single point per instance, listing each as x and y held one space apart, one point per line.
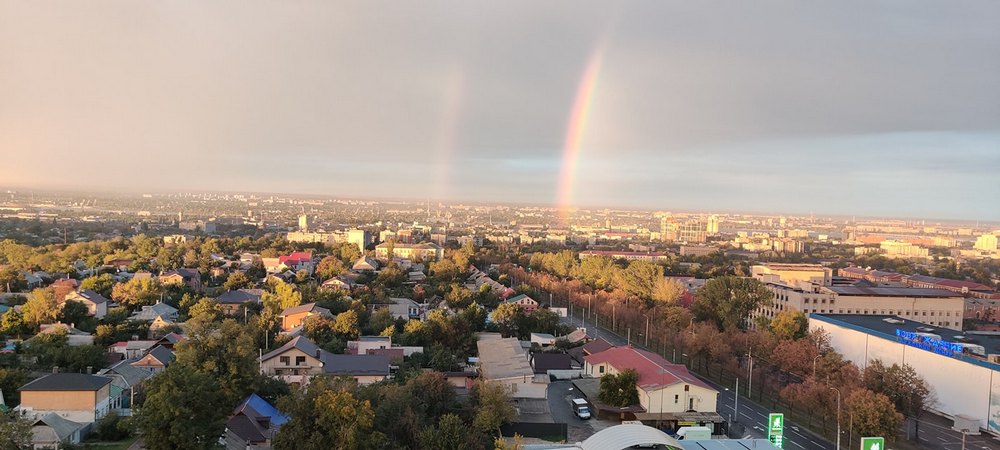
112 428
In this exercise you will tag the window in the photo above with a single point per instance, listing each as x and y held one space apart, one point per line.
300 360
687 388
284 360
677 398
600 369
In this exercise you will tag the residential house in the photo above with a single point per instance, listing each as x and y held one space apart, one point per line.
300 359
125 381
169 340
133 349
505 361
293 317
364 264
253 424
590 348
297 261
156 360
74 336
365 343
63 286
78 397
665 389
233 302
344 282
187 277
528 304
543 362
97 304
402 308
160 310
544 340
51 430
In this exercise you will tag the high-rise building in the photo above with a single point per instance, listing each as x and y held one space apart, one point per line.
304 223
986 243
693 231
361 238
713 224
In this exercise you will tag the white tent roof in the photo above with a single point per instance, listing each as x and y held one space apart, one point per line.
627 435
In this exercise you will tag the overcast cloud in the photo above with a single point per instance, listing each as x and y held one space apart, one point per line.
867 108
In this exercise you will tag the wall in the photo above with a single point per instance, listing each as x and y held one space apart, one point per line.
704 399
312 365
960 387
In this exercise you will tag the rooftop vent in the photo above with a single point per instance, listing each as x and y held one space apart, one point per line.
925 329
893 320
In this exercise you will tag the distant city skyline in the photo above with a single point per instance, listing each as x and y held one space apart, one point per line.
834 109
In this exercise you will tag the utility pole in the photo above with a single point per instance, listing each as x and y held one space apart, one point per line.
647 332
838 416
736 402
750 379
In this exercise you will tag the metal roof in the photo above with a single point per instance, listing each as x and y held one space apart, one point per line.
626 436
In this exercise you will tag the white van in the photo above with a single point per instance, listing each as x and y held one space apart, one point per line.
581 409
694 433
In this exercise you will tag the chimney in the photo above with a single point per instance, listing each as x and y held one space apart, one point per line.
318 352
90 370
55 369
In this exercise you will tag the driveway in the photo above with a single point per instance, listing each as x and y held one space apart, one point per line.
578 430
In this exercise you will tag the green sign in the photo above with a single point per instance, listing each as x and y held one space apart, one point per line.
777 440
872 443
775 424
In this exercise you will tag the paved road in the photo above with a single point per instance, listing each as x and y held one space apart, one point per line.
751 415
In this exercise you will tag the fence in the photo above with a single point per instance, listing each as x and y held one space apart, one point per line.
552 432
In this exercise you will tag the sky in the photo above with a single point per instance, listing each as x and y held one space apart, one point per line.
875 108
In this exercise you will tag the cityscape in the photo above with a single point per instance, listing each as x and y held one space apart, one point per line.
522 226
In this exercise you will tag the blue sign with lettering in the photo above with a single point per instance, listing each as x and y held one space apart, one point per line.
928 343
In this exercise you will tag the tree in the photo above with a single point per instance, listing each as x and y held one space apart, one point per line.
908 391
184 408
789 324
492 403
284 296
11 380
237 280
12 324
206 309
326 415
137 292
330 267
41 308
677 317
450 433
507 316
458 296
101 284
620 390
667 291
728 301
15 432
73 312
639 278
874 414
346 325
11 280
225 351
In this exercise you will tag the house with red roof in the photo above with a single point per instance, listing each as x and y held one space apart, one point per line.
297 261
664 388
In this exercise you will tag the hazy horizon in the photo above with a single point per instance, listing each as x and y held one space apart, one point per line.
884 109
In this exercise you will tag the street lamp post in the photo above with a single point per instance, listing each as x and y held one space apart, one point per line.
814 364
838 416
647 330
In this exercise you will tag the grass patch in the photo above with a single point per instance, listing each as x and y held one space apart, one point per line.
120 445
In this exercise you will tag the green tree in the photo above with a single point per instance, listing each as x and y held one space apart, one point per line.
11 380
137 292
41 308
908 391
667 291
237 280
507 316
874 414
326 415
458 296
11 280
728 301
12 324
284 296
184 408
330 267
225 351
102 284
639 278
790 324
493 407
206 309
73 312
621 389
346 325
15 432
450 433
599 272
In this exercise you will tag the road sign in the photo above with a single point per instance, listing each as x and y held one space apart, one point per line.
777 440
775 424
872 443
